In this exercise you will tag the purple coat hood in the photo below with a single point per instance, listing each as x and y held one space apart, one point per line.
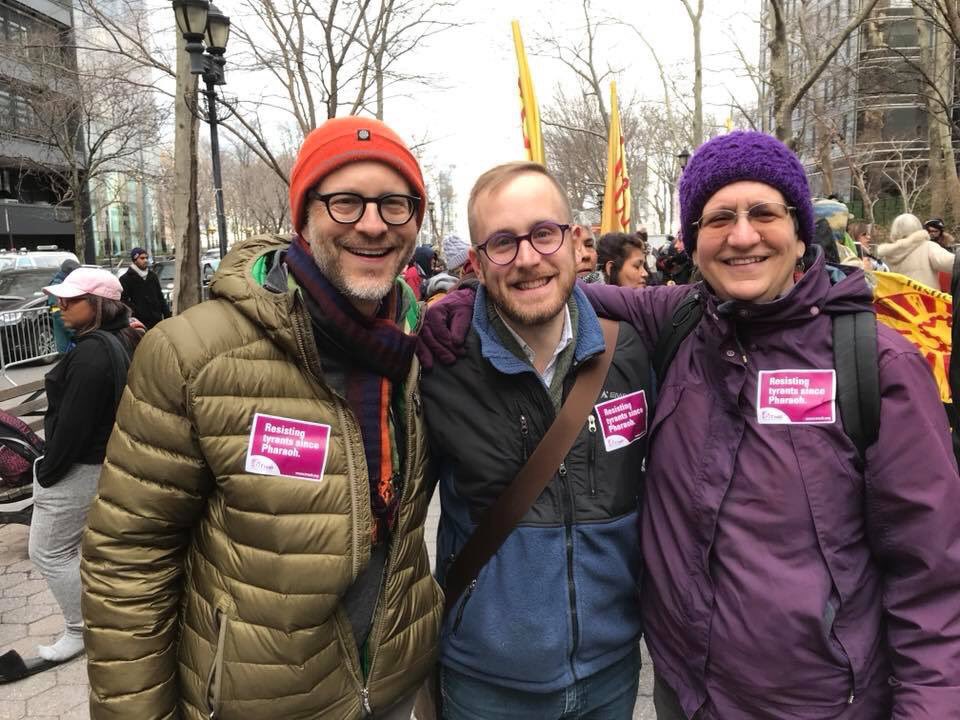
783 577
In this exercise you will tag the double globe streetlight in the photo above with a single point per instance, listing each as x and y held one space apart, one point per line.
206 31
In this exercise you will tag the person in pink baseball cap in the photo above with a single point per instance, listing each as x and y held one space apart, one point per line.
83 392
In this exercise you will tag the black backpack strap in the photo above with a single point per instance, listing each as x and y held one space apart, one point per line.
856 360
685 318
119 361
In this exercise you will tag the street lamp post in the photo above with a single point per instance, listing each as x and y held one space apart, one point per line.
204 27
683 157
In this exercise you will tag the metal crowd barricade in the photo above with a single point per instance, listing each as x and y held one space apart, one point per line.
26 336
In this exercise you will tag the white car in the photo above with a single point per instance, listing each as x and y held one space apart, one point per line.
47 259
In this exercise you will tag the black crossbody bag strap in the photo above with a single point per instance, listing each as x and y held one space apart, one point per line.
855 358
502 517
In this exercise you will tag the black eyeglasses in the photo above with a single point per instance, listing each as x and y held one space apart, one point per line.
502 248
347 208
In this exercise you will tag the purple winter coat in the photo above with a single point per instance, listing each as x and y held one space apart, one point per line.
781 581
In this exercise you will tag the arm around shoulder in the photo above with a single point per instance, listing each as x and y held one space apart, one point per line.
913 492
646 309
152 490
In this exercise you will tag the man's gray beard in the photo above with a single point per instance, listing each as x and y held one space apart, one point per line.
333 272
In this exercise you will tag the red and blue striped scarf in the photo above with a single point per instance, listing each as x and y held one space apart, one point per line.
378 354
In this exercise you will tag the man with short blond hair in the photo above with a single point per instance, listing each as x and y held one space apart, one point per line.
256 550
550 626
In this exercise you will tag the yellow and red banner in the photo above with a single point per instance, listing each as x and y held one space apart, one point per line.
924 316
616 190
529 110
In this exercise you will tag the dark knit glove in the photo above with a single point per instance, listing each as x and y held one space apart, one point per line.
445 326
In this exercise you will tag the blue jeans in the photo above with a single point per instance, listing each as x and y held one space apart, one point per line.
609 694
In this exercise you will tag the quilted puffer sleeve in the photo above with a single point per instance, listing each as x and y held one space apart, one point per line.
153 488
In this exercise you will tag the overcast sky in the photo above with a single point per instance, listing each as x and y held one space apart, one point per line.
473 117
471 112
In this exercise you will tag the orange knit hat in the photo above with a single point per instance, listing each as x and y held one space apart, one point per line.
341 141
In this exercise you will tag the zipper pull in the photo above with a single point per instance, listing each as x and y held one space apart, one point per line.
469 591
524 433
365 700
591 424
562 470
851 698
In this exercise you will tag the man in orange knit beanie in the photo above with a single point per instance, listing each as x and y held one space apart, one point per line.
256 550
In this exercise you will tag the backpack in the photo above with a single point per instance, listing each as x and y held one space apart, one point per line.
19 447
855 358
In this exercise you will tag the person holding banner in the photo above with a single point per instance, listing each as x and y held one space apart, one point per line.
801 560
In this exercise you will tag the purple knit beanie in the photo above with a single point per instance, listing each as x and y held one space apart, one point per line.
739 156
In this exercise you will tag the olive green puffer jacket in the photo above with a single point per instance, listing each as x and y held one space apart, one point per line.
211 590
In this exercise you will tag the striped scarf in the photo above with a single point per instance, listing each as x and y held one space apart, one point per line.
378 355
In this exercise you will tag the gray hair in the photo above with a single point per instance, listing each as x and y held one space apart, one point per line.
904 225
584 218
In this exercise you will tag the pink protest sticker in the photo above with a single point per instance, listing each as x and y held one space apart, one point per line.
786 397
287 447
623 420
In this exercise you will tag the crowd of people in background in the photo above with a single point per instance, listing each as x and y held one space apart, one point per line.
171 496
923 251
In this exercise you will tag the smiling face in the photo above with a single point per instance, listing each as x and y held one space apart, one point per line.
534 288
748 262
362 259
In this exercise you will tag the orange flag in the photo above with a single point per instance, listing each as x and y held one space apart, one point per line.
529 110
616 191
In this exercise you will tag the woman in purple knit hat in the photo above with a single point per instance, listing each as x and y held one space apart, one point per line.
789 575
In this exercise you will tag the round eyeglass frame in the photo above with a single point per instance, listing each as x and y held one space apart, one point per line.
325 198
529 238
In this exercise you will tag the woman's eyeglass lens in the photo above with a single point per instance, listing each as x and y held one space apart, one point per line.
758 215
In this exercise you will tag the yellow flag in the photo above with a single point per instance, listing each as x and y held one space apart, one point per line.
924 316
616 191
529 110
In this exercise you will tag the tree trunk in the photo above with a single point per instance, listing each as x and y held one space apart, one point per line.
697 79
945 53
185 219
79 234
779 72
935 138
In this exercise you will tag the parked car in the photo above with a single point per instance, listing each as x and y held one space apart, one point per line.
26 329
166 272
50 259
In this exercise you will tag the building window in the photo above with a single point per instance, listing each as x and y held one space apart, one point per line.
904 123
901 33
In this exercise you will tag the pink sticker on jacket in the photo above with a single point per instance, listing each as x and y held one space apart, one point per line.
287 447
623 420
802 397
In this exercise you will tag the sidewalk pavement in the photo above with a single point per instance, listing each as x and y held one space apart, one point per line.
29 616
